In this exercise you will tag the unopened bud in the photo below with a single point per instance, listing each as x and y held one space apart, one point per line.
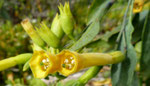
56 27
66 19
48 36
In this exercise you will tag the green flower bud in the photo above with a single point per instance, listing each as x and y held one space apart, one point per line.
66 19
32 33
48 36
56 27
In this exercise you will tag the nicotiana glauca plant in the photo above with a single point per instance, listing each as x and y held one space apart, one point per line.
51 58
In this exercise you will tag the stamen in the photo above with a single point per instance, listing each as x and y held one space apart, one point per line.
44 61
45 67
71 57
70 66
66 61
73 61
47 60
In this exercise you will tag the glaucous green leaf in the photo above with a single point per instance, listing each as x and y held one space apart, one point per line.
97 10
145 57
136 81
108 34
87 36
138 23
122 73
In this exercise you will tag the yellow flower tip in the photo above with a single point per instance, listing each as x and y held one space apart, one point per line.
25 21
42 64
69 62
117 56
138 6
27 25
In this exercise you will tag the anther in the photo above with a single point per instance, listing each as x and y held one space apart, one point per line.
47 60
73 61
44 61
66 61
70 66
71 57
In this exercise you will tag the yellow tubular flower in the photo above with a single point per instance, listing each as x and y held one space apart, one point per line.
72 62
43 63
138 6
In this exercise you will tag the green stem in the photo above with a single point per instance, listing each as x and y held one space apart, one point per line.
12 61
124 21
92 72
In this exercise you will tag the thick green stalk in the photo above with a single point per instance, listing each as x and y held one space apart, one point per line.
12 61
92 72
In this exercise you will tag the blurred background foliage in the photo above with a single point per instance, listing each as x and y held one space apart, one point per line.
12 12
14 40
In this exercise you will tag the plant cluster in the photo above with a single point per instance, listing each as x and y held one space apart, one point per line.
62 50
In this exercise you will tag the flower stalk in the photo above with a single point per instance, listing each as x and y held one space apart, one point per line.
92 72
12 61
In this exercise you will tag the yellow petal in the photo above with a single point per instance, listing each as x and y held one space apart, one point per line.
72 62
138 6
43 63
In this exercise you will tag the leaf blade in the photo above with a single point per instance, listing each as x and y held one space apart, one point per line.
88 36
145 59
125 70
